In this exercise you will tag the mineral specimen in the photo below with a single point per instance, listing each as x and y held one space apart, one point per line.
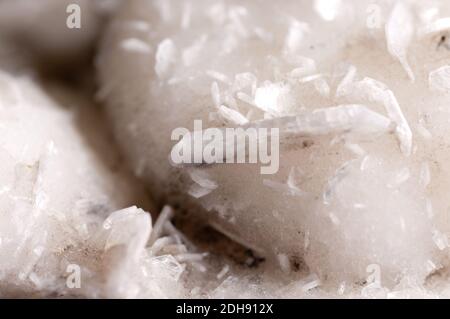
348 98
361 110
63 229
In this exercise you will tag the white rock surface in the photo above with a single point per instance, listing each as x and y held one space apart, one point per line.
359 90
63 192
346 204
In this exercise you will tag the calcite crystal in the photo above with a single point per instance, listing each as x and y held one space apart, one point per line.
359 92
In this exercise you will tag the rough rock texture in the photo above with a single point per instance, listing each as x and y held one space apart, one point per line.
358 208
360 94
62 197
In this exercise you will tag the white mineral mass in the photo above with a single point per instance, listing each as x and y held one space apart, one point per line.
342 118
65 229
359 92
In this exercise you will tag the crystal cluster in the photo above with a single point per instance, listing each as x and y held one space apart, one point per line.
62 203
357 208
358 90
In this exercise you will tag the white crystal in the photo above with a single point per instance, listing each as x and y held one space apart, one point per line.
439 79
399 34
165 58
136 45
